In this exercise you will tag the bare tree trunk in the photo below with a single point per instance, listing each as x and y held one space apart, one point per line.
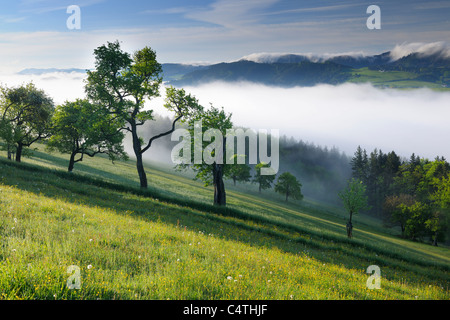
219 187
9 151
141 171
138 154
435 239
350 226
19 152
72 161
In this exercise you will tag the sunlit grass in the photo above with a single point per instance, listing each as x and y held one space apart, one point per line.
130 246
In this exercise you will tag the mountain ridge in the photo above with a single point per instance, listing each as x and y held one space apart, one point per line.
413 70
289 70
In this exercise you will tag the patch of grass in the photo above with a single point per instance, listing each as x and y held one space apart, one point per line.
392 79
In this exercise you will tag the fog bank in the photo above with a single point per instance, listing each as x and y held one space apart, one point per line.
343 116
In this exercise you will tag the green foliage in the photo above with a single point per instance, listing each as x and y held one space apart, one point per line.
263 181
417 214
25 117
80 127
288 185
212 118
239 172
393 210
411 194
354 197
122 84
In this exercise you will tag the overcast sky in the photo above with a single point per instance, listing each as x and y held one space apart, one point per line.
33 33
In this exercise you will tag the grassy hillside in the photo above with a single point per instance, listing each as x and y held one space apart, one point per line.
393 79
170 243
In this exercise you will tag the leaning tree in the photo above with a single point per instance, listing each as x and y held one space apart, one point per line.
207 131
123 83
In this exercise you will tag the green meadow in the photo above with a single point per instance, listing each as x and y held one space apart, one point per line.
170 242
393 79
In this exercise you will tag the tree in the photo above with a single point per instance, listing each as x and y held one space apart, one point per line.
25 113
354 199
417 214
123 83
239 172
439 222
264 181
394 210
82 128
212 124
288 185
360 164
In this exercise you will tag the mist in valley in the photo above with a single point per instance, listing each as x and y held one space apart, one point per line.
320 126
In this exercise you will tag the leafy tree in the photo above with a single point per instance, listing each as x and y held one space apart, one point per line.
212 168
354 199
25 117
394 213
288 185
417 214
439 222
239 172
123 83
263 181
82 128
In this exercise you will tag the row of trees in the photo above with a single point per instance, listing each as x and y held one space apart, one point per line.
412 194
116 93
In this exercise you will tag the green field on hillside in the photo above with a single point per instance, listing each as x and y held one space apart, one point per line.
393 79
170 242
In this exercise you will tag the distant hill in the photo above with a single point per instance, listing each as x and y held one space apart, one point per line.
288 70
415 70
305 73
175 71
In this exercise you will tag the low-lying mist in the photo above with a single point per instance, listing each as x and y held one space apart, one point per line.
342 116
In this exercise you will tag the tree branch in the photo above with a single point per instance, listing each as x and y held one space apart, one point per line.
162 134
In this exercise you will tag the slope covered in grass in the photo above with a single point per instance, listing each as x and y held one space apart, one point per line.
170 243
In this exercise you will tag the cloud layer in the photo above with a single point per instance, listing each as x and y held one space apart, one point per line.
439 48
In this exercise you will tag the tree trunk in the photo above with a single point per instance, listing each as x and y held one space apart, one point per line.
72 161
219 187
350 226
19 152
138 154
435 239
141 171
9 152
